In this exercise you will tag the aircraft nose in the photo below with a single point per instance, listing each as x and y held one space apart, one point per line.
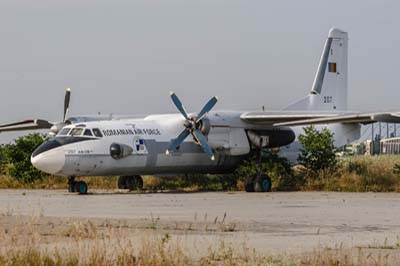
51 162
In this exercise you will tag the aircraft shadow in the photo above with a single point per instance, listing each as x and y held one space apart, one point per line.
145 192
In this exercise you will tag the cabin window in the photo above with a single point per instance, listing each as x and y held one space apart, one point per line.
64 131
87 132
76 131
97 132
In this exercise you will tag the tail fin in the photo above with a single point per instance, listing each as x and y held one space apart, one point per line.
329 90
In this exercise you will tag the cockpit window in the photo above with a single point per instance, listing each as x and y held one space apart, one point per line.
76 131
97 132
87 132
64 131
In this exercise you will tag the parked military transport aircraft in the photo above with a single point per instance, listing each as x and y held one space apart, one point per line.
203 142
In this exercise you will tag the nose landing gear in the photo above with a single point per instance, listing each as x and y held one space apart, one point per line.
130 182
77 186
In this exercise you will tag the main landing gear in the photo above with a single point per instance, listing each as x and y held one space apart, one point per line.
124 182
77 186
259 182
130 182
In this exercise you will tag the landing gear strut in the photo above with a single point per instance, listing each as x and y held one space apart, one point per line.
77 186
259 182
130 182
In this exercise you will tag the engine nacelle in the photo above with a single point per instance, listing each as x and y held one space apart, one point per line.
204 126
271 138
230 141
119 151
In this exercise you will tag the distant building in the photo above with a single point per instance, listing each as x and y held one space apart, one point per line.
383 146
390 146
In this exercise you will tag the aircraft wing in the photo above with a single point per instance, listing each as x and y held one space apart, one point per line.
29 124
274 117
355 118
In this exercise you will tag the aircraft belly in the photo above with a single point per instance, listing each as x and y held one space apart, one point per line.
187 159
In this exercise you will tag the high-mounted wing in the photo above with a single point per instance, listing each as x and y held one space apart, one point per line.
26 125
355 118
274 117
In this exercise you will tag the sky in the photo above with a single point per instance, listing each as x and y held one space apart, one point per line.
125 56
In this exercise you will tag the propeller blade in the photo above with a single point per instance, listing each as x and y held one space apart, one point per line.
204 144
66 102
207 107
179 105
175 143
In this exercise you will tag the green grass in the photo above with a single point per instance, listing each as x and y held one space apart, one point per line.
359 174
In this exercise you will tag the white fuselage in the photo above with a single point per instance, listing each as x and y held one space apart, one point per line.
146 141
85 149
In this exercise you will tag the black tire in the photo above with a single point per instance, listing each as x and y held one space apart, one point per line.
129 183
122 182
249 184
81 187
262 183
138 182
71 186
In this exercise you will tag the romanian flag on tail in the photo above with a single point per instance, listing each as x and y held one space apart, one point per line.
332 67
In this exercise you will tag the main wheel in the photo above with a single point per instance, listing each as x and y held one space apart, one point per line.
129 183
249 184
138 182
71 184
262 183
122 182
81 187
134 182
71 187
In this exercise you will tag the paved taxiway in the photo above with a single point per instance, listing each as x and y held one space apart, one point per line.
297 221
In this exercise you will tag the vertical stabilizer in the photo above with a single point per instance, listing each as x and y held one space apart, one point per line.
329 89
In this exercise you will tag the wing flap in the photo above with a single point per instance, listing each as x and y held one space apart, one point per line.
272 117
357 118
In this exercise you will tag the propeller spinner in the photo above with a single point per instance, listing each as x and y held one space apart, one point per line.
192 126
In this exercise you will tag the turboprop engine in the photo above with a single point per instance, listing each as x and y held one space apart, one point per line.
196 125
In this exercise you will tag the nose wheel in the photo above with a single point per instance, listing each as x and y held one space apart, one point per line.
130 182
77 186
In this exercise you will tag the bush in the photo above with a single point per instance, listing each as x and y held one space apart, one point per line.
318 151
3 160
18 155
